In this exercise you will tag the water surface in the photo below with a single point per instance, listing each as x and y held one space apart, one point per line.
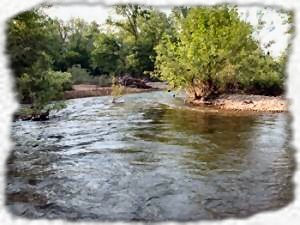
149 158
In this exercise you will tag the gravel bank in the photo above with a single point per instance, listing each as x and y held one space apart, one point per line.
243 102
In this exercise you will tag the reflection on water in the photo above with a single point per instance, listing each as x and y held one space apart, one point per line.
149 158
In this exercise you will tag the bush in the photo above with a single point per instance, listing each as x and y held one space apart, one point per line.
42 89
79 75
82 76
104 80
117 90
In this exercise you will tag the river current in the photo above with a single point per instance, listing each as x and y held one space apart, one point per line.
149 158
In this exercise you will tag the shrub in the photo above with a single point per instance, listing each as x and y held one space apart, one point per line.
79 75
40 90
117 89
104 80
82 76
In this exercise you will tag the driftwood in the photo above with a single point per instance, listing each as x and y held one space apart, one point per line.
43 116
129 81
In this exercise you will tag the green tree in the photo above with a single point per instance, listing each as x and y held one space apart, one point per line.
29 46
79 38
27 40
106 56
139 30
131 14
214 51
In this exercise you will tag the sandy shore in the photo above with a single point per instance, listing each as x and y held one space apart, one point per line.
243 102
85 90
235 102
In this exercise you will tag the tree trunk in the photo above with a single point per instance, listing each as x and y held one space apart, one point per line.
201 90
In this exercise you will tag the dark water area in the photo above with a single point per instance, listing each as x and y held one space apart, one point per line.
149 159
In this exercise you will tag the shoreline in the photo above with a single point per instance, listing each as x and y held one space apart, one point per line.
85 90
246 102
230 102
234 103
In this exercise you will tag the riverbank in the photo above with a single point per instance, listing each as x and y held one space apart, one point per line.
85 90
235 102
246 102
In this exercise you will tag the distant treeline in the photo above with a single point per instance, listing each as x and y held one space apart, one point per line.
206 50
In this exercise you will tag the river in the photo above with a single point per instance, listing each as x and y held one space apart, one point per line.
150 158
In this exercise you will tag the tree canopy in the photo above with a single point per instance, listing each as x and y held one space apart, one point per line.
205 50
214 51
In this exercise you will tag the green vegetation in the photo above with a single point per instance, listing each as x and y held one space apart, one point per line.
29 47
117 90
205 50
82 76
214 52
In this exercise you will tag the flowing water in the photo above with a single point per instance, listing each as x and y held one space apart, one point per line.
149 158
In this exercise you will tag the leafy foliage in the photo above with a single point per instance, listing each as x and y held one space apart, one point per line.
117 90
82 76
206 50
213 52
29 49
79 75
138 32
27 40
40 90
106 55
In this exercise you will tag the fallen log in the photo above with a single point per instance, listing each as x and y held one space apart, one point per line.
129 81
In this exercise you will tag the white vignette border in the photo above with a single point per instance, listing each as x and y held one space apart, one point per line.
289 214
